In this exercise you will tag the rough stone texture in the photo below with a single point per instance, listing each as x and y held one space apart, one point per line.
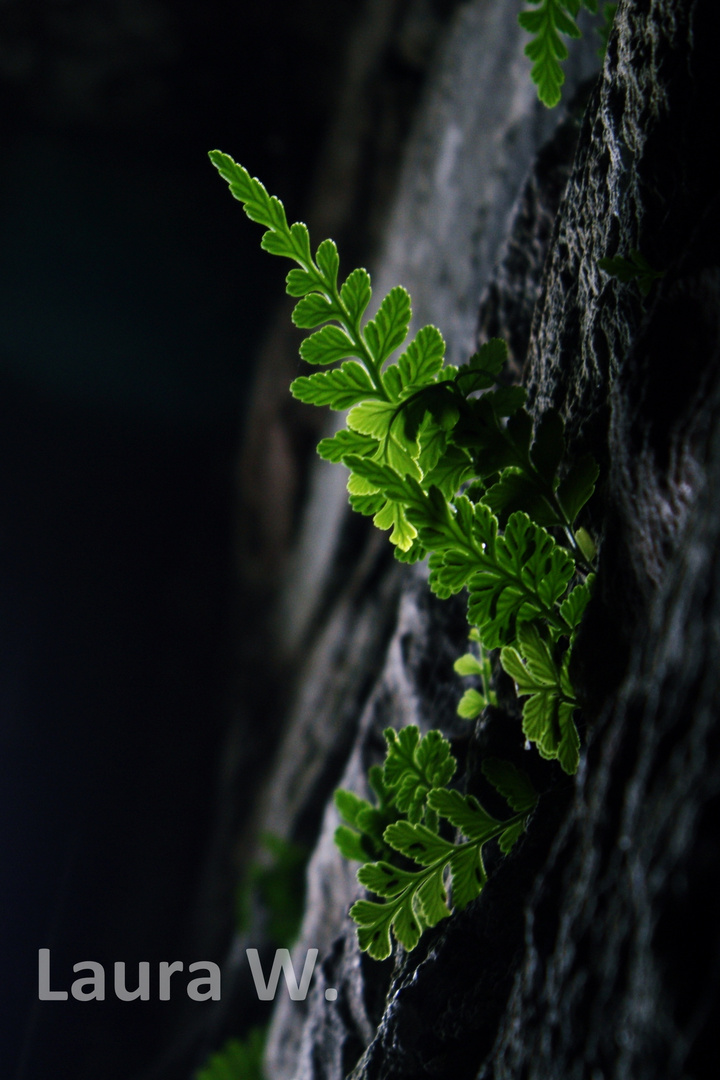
588 954
479 131
508 299
477 175
391 47
620 976
640 180
416 684
622 969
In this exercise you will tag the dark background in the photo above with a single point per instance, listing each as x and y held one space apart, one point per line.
133 295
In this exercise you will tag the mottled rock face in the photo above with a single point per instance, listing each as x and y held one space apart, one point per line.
578 960
620 976
599 353
414 683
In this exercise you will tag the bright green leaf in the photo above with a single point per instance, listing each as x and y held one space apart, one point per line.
328 345
417 842
520 580
471 704
337 389
372 418
392 516
346 441
407 926
433 898
374 922
573 606
552 18
422 358
300 282
384 879
548 711
389 328
313 310
468 875
468 665
355 294
328 261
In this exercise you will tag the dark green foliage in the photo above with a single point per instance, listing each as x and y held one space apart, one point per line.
237 1060
277 887
412 793
362 838
550 22
510 782
636 269
608 12
520 577
542 677
413 766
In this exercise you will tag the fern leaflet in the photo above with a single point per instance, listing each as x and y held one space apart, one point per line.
551 20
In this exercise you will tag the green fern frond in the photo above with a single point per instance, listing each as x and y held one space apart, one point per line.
455 467
549 23
414 899
237 1060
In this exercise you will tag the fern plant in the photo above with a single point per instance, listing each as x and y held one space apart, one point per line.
274 884
634 268
405 828
238 1059
550 22
451 464
415 899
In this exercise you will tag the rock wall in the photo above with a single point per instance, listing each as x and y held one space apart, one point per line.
586 955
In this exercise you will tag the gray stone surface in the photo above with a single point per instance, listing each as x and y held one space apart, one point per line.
415 684
588 955
466 166
476 138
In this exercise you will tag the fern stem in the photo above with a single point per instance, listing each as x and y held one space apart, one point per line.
354 332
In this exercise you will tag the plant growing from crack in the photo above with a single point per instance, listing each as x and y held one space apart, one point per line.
452 465
466 480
